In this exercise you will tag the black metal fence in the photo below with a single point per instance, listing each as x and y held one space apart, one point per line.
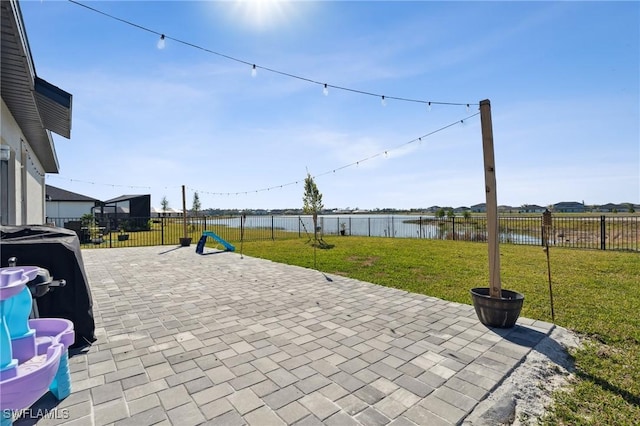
613 232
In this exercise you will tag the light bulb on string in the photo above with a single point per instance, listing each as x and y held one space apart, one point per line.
383 101
161 42
254 71
325 90
429 106
467 107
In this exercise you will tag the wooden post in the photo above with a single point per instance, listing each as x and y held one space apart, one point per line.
495 287
184 212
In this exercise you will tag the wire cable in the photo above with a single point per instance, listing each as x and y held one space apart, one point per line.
345 166
272 70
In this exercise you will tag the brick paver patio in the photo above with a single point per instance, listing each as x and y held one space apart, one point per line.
187 339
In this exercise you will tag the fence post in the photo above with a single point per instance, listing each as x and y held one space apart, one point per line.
420 227
349 225
162 230
453 227
272 235
603 233
369 226
547 226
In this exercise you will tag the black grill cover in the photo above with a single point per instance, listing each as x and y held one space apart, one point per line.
58 251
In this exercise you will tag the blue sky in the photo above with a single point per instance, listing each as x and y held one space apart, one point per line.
562 77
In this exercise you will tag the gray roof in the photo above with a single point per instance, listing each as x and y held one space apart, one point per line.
57 194
124 198
37 106
568 204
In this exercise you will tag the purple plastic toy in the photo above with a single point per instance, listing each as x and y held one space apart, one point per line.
33 353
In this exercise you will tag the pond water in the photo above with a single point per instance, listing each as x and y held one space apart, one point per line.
397 226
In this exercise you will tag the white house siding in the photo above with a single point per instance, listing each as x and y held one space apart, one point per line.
68 209
34 191
26 176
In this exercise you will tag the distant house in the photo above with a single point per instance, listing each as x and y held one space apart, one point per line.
532 208
479 208
168 212
62 204
569 207
31 109
133 210
610 207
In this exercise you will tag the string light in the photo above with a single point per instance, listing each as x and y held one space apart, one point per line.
353 164
32 165
356 164
254 67
325 90
56 176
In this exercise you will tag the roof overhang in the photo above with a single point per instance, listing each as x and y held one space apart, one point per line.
37 106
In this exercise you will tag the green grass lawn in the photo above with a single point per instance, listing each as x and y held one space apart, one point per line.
596 294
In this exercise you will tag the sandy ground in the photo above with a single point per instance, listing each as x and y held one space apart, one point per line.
523 396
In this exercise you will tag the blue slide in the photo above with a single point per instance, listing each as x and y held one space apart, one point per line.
203 239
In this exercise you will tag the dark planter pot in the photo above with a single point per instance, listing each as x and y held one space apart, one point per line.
185 242
342 232
123 237
493 312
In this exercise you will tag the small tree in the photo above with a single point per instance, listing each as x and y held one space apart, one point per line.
450 213
312 202
88 220
466 214
440 213
164 203
196 204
